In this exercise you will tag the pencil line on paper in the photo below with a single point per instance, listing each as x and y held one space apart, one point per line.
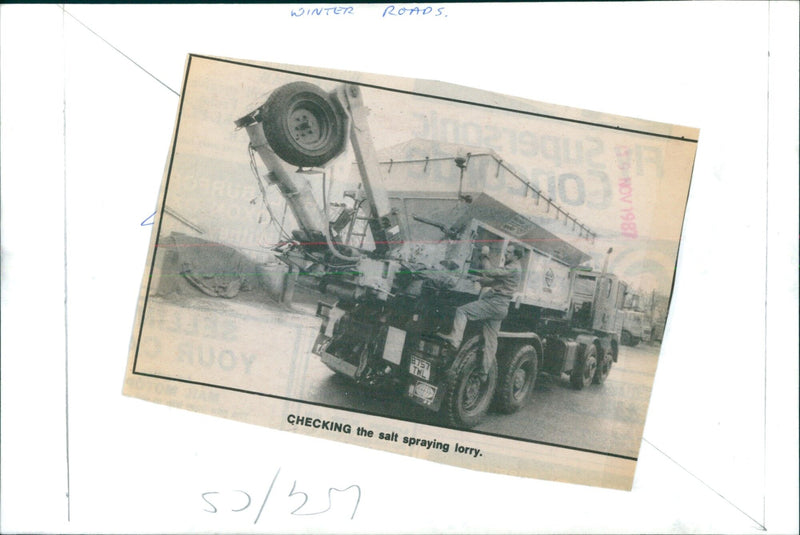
269 491
66 318
766 284
709 487
153 76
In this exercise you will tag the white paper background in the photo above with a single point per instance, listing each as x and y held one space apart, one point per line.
716 456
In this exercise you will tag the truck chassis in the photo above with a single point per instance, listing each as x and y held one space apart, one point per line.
385 304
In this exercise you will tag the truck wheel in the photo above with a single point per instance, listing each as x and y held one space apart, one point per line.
625 338
582 375
517 379
466 398
635 341
603 368
304 125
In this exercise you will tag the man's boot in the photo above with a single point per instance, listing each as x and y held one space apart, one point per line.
449 339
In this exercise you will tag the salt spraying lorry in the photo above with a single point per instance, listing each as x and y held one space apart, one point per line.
395 261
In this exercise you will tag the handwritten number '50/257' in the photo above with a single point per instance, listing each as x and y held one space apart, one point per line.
243 500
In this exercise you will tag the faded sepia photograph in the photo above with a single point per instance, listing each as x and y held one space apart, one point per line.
447 273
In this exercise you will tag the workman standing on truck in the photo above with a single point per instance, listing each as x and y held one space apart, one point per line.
491 307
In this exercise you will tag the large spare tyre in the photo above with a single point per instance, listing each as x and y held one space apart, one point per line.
304 125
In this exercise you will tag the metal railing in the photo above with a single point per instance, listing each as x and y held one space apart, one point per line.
582 229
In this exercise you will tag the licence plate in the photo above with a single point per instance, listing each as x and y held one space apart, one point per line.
420 368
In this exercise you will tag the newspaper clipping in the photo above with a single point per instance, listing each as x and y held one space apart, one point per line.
441 272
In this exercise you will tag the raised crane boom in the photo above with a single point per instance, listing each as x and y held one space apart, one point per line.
383 221
302 125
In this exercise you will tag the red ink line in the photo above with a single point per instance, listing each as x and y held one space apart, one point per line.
389 242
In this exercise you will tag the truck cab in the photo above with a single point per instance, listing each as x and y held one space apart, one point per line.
636 325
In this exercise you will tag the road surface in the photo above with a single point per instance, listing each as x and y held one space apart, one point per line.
608 418
273 347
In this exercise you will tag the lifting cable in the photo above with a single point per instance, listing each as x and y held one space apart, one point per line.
272 219
328 239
